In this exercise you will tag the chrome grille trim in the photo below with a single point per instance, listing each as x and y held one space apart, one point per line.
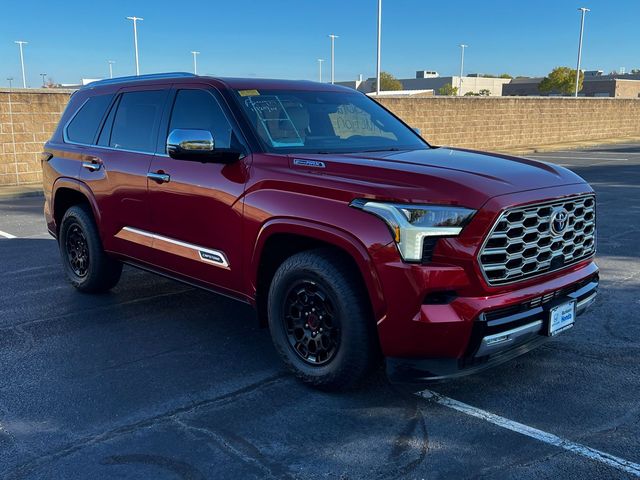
521 244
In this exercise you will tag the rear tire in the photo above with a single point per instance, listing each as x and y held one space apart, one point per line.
87 267
320 320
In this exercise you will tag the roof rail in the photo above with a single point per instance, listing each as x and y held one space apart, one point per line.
151 76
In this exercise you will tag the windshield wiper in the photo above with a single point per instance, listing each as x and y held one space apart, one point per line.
390 149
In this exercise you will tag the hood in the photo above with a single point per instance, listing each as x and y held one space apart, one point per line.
438 175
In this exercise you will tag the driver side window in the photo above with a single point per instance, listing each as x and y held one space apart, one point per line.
199 110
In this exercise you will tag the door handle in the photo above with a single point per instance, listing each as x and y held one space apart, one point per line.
93 165
159 177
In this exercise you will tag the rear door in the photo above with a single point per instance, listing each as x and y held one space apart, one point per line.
196 207
118 172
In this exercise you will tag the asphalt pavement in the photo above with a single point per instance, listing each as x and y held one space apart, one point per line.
163 381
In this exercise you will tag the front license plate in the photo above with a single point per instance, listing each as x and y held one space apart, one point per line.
562 317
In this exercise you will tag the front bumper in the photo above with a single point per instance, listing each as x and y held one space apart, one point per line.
498 335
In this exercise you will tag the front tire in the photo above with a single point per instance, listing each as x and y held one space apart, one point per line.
320 320
87 267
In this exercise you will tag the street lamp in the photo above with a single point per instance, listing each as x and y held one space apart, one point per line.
379 44
111 62
24 78
584 12
462 46
135 39
320 60
43 80
195 62
333 50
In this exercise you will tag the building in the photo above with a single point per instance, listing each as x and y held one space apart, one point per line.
430 80
594 85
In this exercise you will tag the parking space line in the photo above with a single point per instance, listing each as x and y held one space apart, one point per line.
6 235
549 438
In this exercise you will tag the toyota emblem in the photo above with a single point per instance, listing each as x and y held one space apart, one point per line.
559 221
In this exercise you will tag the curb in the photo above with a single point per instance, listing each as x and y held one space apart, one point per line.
20 194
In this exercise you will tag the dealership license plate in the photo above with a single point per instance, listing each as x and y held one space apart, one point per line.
562 317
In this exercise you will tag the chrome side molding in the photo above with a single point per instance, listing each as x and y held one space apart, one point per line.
175 247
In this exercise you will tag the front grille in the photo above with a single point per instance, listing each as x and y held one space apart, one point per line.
522 243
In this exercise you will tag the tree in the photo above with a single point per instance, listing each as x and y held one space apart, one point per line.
484 92
635 71
505 75
447 89
562 80
471 94
389 83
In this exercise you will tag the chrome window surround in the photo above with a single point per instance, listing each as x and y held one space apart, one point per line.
521 245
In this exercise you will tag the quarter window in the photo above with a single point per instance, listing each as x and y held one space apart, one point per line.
84 126
136 123
199 110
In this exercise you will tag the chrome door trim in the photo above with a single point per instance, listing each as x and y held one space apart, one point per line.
184 249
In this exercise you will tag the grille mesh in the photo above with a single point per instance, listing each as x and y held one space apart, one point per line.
522 243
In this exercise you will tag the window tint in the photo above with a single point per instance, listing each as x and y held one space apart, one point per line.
199 110
84 125
136 122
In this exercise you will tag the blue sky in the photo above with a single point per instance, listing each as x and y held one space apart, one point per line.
283 38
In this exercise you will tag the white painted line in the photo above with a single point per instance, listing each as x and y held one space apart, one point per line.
588 452
6 235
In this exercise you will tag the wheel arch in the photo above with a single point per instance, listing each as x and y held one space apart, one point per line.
281 238
68 192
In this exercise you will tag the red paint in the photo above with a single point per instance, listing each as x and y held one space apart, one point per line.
235 208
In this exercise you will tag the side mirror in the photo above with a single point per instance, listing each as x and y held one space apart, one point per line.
198 145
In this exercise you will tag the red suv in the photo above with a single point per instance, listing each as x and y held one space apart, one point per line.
352 237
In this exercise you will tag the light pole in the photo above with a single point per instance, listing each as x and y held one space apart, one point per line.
135 39
111 62
43 80
462 46
10 79
379 44
24 78
333 51
584 12
320 60
195 62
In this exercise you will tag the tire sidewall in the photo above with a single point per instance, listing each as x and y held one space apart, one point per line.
283 282
80 217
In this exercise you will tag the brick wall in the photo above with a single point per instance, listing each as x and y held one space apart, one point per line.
494 123
502 123
27 120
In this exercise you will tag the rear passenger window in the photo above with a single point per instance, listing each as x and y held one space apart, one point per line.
84 126
136 122
199 110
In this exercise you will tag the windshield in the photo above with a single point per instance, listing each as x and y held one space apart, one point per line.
295 121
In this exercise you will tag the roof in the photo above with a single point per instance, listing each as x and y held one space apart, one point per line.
232 83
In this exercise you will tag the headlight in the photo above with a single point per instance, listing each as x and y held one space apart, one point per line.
410 223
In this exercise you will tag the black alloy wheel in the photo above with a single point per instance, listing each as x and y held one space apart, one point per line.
310 323
77 250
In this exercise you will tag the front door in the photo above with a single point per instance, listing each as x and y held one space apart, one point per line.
196 207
